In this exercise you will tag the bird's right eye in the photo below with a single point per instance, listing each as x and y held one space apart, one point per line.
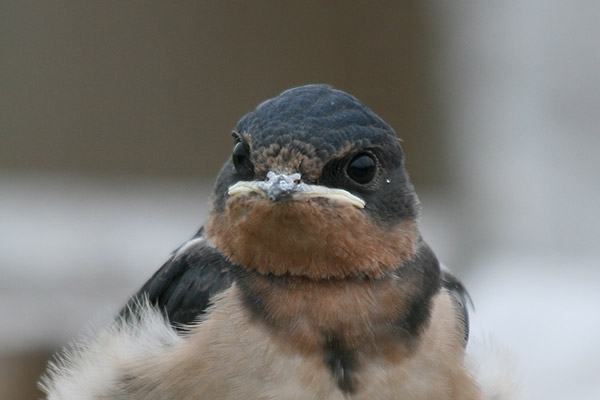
239 155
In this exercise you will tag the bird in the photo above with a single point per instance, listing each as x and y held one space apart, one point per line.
309 279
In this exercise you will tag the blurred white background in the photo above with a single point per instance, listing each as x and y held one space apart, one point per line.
115 119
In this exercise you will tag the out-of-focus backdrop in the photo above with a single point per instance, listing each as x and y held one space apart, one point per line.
115 119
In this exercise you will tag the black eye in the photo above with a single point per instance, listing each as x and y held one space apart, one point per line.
362 168
239 155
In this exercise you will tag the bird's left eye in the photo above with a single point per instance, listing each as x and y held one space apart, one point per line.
362 168
239 155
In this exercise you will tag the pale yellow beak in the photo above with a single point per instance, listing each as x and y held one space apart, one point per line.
279 187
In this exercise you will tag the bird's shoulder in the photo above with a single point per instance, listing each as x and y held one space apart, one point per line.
460 298
183 288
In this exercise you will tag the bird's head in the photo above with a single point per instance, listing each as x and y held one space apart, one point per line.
316 187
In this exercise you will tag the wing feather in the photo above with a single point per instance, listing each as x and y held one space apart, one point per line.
183 288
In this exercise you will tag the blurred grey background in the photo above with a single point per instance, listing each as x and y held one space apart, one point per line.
115 118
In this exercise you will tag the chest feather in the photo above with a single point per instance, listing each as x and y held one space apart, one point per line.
233 356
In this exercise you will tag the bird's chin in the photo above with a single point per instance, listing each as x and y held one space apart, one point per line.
315 238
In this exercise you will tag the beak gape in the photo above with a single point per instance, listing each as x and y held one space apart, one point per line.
278 187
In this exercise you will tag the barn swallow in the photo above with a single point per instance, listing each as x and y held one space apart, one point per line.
309 280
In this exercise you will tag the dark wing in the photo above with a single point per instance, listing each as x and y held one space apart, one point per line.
461 298
184 286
